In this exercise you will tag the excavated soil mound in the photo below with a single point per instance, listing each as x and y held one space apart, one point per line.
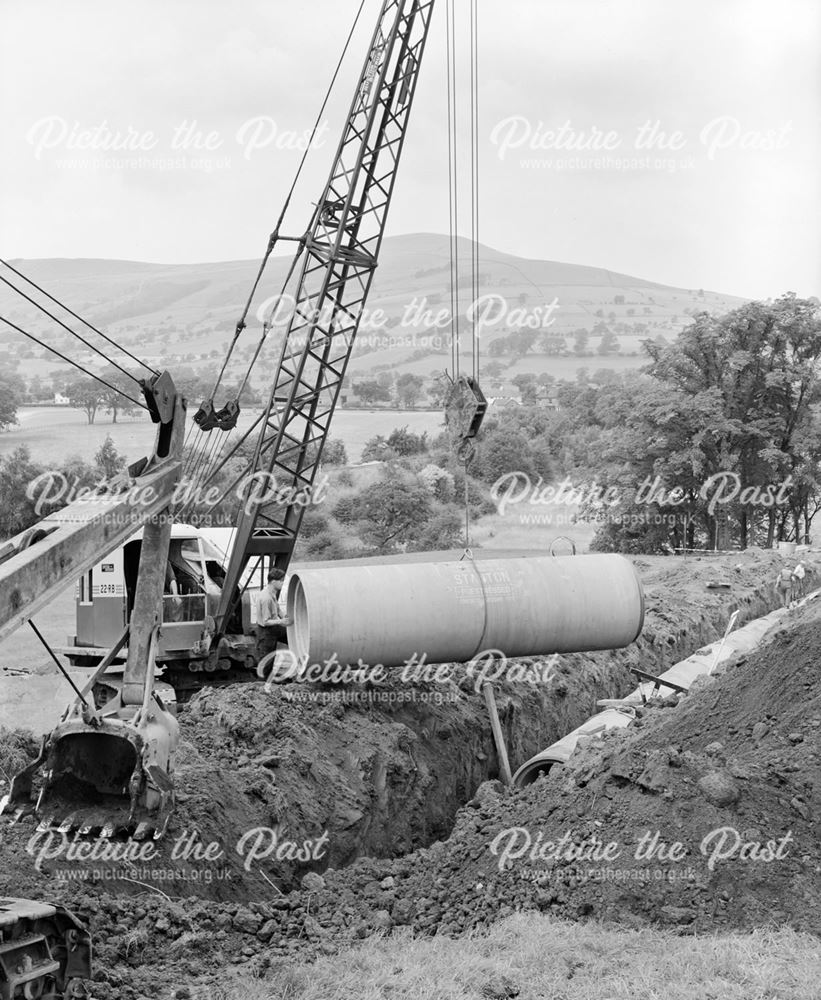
735 763
741 754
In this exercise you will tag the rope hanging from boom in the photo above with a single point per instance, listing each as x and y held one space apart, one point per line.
464 403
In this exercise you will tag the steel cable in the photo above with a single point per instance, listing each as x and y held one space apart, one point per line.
79 318
75 364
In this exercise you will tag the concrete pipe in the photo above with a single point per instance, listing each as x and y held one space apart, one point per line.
452 611
562 750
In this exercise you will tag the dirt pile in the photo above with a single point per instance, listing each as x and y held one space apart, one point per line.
388 778
690 788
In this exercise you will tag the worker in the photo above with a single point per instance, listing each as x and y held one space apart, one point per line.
784 585
798 580
271 623
172 602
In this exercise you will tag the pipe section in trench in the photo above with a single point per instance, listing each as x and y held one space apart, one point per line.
452 611
744 640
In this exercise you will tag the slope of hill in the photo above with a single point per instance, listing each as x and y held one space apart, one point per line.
185 313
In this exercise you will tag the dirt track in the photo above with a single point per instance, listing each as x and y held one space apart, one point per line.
386 781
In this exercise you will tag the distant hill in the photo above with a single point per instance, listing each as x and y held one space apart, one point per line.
173 314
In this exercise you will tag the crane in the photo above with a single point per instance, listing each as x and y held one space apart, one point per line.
340 254
111 767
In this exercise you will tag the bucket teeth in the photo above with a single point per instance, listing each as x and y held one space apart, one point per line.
68 824
46 823
95 783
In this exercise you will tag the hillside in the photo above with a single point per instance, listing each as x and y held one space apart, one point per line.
185 313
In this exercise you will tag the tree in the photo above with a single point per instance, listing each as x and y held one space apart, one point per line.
581 337
377 449
371 392
108 461
523 340
409 389
442 530
391 513
501 451
29 491
86 394
323 545
725 416
116 400
19 479
195 388
249 397
314 522
553 343
499 347
762 361
437 390
334 452
609 343
404 442
528 387
12 393
439 482
345 509
36 390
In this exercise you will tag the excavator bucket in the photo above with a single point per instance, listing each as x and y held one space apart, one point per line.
107 773
108 769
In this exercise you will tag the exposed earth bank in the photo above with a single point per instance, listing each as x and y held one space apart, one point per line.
376 790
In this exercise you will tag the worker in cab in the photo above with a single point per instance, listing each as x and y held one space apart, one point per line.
172 610
271 622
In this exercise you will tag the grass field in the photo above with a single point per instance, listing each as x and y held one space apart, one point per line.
567 367
554 527
545 959
54 432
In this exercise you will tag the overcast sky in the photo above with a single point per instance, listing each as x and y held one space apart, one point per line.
729 203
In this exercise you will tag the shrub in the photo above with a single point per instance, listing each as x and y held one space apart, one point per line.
314 522
346 509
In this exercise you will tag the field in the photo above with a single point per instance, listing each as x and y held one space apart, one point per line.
52 433
567 367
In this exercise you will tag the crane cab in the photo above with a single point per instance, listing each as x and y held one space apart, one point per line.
104 597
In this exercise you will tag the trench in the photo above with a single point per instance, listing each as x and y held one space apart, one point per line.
385 781
455 751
